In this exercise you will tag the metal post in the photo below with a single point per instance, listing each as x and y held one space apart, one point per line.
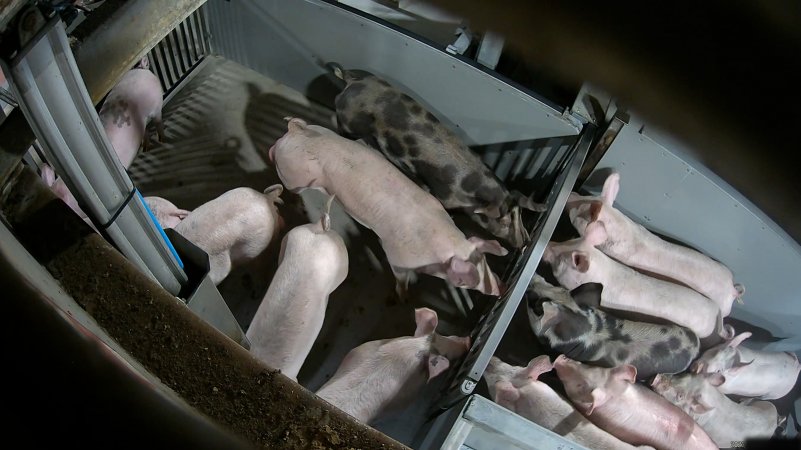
51 93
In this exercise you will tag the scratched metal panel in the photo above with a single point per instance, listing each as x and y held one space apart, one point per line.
289 42
668 191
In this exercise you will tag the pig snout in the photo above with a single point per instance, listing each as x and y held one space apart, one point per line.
659 383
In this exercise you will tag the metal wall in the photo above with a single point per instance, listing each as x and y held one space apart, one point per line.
291 44
666 189
181 50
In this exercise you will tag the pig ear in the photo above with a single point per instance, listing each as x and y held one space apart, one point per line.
462 273
595 210
538 366
548 254
506 393
699 406
738 365
737 340
595 233
436 365
611 188
491 247
626 372
599 397
715 379
588 294
426 320
580 261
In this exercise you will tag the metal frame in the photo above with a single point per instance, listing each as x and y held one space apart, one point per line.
477 423
51 93
492 326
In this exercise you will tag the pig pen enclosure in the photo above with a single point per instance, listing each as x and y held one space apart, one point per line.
229 110
232 72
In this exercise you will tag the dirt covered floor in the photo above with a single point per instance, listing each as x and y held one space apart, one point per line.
210 372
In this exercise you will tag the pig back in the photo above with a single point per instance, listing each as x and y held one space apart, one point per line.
241 221
414 228
417 143
377 375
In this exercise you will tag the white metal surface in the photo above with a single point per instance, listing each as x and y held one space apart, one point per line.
484 425
290 44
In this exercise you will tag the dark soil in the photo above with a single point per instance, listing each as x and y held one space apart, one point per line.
212 373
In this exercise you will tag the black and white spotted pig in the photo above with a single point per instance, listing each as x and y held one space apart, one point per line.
429 153
563 321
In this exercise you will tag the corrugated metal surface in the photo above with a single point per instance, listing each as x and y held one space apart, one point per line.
183 48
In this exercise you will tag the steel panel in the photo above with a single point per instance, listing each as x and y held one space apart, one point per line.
290 42
668 191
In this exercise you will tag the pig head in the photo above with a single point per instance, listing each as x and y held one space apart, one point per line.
381 375
428 152
723 419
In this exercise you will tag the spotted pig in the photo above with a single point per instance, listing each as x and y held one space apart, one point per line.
429 153
563 321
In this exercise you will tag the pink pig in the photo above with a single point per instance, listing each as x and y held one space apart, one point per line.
133 102
416 232
635 246
517 389
612 399
312 263
577 261
234 227
167 214
380 374
753 373
724 420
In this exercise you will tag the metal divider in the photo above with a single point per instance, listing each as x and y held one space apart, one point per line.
181 50
491 327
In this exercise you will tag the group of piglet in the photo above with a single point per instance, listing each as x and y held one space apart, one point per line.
631 308
405 196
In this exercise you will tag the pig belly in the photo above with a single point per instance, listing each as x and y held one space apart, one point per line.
541 405
641 420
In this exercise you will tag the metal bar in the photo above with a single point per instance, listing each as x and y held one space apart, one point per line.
135 27
47 84
490 330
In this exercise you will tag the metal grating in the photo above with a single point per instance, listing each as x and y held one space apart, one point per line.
181 50
558 170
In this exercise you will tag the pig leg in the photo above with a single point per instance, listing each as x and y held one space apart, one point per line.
402 279
159 127
219 267
526 202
